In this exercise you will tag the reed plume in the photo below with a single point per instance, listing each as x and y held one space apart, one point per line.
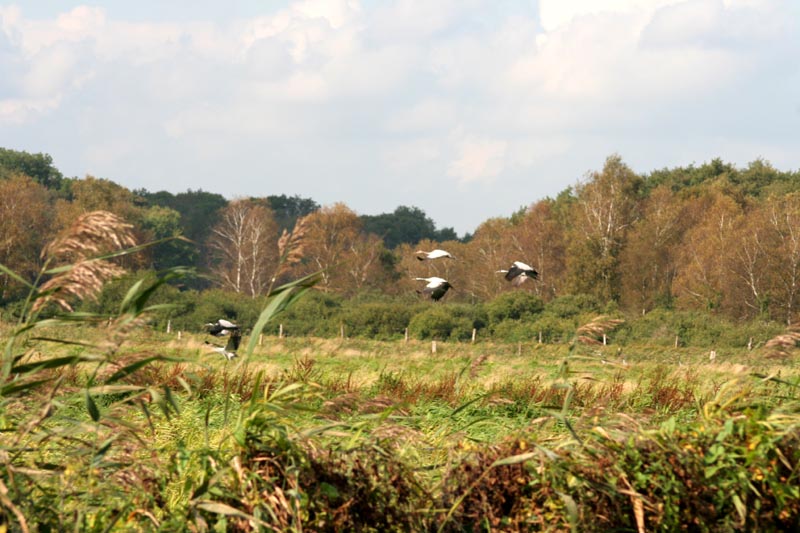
782 344
476 364
290 245
290 249
599 326
92 234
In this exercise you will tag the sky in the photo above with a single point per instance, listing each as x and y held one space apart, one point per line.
467 109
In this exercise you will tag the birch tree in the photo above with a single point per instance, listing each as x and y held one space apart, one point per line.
605 207
243 245
647 263
784 220
701 276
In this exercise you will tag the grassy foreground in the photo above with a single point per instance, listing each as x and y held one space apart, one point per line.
145 431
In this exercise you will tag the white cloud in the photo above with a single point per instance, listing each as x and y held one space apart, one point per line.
557 13
413 20
336 12
477 159
16 111
425 115
81 21
406 158
476 92
52 70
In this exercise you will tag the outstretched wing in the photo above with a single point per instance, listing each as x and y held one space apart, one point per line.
519 272
513 272
439 291
233 341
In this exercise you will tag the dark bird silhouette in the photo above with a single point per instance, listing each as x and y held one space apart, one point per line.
433 254
221 327
436 287
519 273
229 350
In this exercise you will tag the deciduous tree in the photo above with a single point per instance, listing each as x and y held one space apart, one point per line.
26 217
701 277
244 248
606 206
38 167
647 262
336 244
491 249
783 215
539 240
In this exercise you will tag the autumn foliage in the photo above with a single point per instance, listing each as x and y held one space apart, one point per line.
711 238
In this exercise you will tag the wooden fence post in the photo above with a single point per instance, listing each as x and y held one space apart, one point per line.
474 332
280 331
433 346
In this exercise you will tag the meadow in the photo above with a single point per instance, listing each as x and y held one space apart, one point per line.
113 426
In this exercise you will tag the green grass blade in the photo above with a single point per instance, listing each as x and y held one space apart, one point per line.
16 277
13 388
131 368
47 363
94 412
281 297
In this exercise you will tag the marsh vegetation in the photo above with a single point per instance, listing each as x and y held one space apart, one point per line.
109 427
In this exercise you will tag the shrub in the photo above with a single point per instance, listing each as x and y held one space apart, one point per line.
317 313
293 484
376 320
694 328
571 305
723 473
514 305
114 291
524 331
553 329
214 304
442 322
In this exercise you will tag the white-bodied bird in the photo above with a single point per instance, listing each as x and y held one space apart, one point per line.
229 350
519 273
433 254
221 327
436 287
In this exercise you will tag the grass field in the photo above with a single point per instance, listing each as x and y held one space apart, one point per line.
149 431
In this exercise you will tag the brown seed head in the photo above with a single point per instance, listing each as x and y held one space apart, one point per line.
290 245
781 345
589 332
92 234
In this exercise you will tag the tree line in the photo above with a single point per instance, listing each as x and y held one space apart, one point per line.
700 237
